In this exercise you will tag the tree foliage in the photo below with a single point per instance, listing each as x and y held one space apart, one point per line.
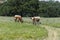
30 8
20 7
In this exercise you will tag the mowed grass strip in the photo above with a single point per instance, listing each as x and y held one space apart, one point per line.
17 31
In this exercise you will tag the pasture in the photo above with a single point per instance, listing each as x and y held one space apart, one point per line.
10 30
53 22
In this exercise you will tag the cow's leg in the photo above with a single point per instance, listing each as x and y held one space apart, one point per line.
38 21
15 19
20 20
33 21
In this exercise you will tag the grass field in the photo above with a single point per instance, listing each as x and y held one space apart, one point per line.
54 22
10 30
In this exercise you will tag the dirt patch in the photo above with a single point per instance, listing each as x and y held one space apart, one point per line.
52 33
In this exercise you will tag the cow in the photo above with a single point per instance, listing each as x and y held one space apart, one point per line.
35 20
18 18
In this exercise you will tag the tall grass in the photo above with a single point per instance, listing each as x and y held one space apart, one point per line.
10 30
54 22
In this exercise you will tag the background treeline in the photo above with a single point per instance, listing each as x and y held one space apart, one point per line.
30 8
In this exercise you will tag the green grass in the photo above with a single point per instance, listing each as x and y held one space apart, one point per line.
10 30
53 22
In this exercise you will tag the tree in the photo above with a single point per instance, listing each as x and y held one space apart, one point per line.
20 7
30 8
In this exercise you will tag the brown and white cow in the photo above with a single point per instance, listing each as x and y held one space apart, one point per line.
35 20
18 18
